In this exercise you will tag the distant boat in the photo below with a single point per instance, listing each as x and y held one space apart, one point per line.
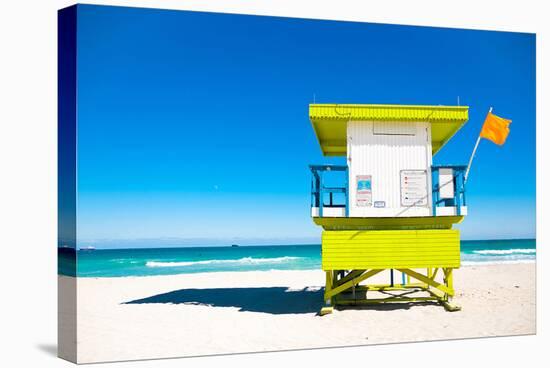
234 245
89 247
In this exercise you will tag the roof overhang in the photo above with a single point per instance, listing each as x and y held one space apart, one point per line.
387 223
330 121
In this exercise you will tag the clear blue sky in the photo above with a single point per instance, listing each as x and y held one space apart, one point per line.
193 127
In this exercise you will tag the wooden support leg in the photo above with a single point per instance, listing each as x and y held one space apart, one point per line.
448 279
328 308
347 285
345 278
338 282
420 277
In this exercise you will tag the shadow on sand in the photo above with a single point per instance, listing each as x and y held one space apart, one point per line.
273 300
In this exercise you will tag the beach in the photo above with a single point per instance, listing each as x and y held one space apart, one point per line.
129 318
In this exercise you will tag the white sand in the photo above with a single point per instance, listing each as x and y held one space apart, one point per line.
262 315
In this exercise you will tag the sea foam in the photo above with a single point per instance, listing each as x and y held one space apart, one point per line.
503 262
505 251
240 261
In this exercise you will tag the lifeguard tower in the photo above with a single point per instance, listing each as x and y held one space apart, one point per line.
389 208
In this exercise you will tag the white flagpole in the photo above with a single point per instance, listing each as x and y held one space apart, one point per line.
473 154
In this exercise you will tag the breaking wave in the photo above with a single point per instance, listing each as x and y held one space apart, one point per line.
506 261
240 261
499 252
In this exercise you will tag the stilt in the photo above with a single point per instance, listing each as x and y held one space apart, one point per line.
328 308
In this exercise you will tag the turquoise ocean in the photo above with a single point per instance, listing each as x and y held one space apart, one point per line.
170 261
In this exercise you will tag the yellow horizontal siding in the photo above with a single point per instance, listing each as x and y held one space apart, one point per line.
347 250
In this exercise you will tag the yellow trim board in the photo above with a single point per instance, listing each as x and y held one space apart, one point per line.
387 223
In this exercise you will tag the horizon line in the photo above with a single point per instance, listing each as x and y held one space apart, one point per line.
234 245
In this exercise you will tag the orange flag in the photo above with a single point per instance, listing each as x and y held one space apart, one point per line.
495 129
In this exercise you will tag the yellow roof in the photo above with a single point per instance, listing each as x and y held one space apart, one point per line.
330 120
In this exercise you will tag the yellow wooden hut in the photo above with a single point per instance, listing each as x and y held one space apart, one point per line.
389 208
